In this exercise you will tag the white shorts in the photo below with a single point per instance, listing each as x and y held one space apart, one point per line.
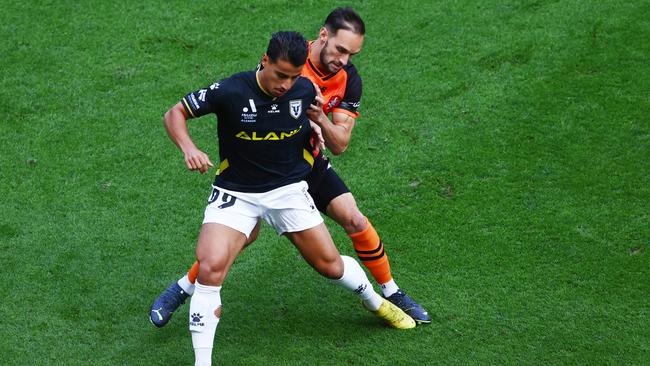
288 209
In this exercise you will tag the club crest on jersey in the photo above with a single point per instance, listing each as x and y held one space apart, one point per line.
334 102
295 108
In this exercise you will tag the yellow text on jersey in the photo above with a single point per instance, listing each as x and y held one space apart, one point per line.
271 136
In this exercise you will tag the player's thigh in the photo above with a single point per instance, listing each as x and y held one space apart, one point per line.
318 249
217 248
235 212
290 210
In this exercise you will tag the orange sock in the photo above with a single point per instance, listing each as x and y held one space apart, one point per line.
370 250
193 273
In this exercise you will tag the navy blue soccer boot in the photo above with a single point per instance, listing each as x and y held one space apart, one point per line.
166 303
410 307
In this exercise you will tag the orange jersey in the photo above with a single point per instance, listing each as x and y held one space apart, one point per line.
342 90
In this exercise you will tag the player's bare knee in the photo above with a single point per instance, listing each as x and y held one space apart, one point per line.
211 272
356 223
331 268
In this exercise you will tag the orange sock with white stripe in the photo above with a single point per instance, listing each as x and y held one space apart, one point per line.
370 251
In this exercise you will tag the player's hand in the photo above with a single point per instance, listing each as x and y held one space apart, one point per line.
315 110
320 99
317 136
196 159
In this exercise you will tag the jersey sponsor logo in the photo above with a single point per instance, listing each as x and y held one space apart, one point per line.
249 117
352 107
269 136
295 108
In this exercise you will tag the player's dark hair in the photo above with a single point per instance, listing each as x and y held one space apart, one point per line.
345 18
289 46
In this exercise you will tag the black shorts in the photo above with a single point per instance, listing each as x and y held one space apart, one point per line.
324 184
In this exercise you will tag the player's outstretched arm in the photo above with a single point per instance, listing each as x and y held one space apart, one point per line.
176 125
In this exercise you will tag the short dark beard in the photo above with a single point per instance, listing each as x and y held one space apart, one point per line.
322 60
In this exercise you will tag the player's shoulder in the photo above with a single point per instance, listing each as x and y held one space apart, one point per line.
353 81
237 80
352 71
233 86
244 75
304 81
305 84
353 84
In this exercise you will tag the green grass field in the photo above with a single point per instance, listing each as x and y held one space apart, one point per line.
503 154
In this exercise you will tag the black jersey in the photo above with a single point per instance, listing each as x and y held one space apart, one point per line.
262 139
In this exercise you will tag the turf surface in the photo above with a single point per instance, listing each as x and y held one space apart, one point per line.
503 154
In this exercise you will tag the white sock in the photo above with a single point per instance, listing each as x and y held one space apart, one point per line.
202 356
355 279
186 285
389 288
205 310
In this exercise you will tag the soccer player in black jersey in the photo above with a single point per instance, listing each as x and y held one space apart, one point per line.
339 92
263 130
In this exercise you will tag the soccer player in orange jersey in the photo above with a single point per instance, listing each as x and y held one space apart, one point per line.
328 67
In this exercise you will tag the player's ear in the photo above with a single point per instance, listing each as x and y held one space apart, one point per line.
323 34
265 60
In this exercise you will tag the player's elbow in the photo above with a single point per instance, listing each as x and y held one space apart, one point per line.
339 142
337 149
167 117
173 114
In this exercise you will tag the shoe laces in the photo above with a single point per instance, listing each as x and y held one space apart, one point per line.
174 297
403 300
